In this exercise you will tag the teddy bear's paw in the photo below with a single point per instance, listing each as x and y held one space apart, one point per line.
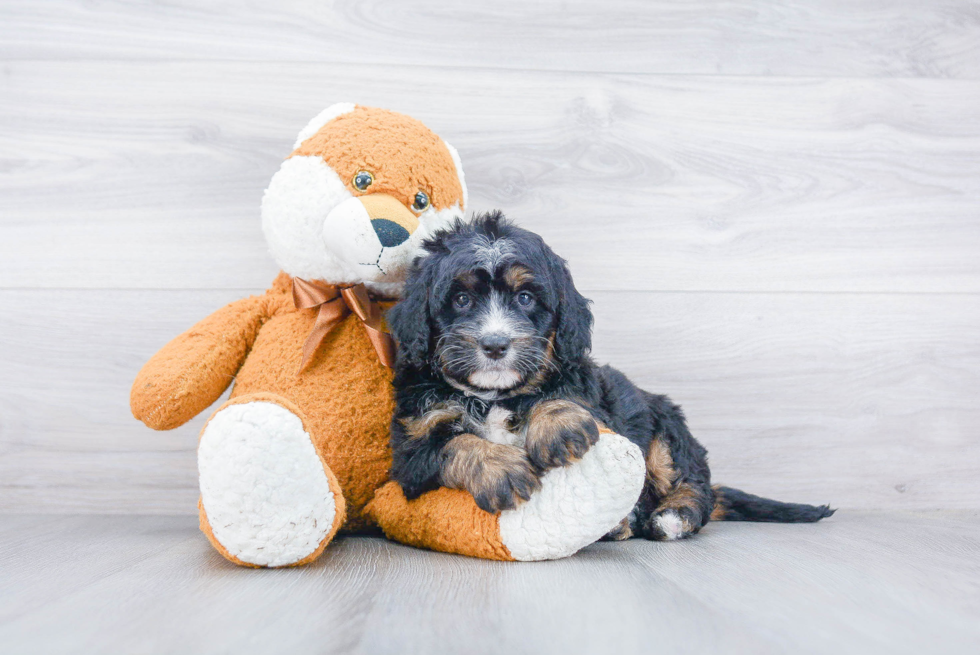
578 503
264 490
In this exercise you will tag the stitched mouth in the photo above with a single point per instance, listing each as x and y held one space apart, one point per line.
376 262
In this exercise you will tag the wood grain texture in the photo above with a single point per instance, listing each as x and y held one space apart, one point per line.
68 441
855 38
152 584
150 175
859 400
773 203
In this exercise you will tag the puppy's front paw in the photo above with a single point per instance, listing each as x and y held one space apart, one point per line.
501 487
499 477
558 433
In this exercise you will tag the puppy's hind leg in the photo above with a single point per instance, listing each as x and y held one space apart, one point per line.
677 498
678 516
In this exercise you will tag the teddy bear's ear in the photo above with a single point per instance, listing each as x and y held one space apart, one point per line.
321 119
409 319
459 173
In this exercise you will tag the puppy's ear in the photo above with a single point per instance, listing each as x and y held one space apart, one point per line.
436 244
409 319
573 334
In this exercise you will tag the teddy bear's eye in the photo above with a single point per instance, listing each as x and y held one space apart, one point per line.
421 202
362 180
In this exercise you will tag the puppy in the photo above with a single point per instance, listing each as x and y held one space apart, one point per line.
494 385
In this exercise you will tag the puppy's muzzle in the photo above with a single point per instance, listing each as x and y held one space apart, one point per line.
495 346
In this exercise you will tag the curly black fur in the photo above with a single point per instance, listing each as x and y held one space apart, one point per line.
490 271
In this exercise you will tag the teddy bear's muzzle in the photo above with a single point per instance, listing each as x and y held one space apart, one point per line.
369 231
392 221
390 233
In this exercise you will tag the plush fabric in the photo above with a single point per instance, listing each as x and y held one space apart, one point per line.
191 372
344 392
445 519
575 507
242 479
405 156
297 455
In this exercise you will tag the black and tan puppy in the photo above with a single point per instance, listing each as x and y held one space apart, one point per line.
495 385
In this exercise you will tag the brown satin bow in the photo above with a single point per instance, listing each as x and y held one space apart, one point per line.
335 304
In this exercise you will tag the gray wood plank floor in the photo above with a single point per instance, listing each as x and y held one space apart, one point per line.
856 583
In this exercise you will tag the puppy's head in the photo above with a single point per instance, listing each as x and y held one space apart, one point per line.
491 309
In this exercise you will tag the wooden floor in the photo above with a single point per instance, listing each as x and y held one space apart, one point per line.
861 582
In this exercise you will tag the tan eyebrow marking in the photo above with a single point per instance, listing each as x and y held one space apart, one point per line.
517 276
468 279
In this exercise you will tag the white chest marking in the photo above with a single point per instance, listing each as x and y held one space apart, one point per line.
494 428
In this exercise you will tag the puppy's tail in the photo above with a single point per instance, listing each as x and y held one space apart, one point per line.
736 505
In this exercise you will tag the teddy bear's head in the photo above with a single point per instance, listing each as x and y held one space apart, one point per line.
361 190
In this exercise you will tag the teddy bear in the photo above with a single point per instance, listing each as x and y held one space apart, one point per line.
300 450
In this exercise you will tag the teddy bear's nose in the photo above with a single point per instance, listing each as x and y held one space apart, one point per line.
389 233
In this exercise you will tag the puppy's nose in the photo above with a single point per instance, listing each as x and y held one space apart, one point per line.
495 346
390 233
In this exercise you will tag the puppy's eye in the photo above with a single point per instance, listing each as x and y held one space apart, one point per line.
462 300
421 202
525 299
362 180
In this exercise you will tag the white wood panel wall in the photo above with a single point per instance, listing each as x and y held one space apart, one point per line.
774 205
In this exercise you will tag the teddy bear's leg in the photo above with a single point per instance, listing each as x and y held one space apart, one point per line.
267 498
576 505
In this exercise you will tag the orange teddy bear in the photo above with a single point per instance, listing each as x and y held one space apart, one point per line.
301 449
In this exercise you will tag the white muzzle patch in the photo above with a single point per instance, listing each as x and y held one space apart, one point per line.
348 235
317 230
497 373
505 378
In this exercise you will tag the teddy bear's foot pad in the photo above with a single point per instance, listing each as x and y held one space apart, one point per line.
264 489
577 504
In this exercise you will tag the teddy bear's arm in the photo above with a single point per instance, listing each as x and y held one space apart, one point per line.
192 371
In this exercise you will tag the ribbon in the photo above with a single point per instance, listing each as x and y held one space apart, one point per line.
335 304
